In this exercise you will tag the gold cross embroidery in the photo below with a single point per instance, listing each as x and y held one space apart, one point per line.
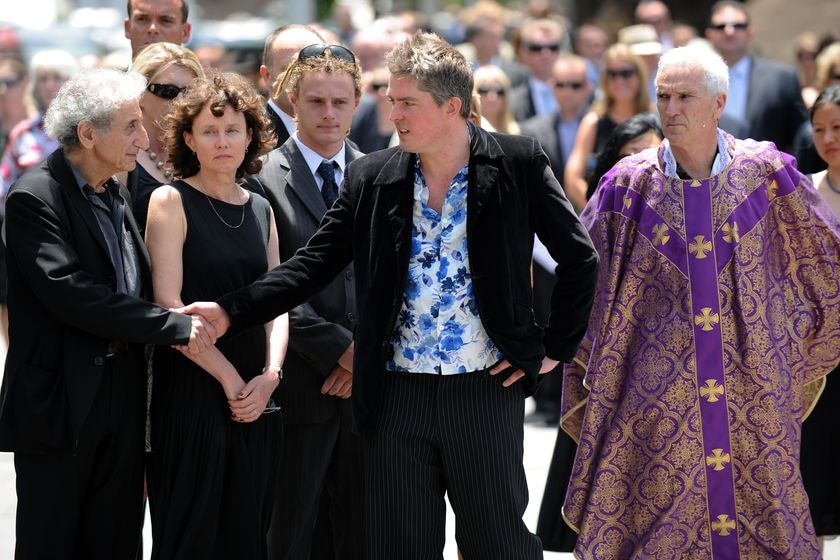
699 247
707 318
731 234
660 234
718 457
771 189
711 390
627 201
723 525
695 183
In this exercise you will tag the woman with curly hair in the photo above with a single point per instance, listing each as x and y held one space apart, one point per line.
214 448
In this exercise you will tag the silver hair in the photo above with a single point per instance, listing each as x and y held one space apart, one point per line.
91 95
715 70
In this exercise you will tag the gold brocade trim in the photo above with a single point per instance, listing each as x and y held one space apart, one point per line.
723 525
572 411
700 246
772 187
814 390
571 525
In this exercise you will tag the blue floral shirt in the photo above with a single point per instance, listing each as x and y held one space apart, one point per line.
438 328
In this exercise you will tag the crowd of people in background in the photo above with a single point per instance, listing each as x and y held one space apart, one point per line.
292 485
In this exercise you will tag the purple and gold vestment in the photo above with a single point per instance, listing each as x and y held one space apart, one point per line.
716 319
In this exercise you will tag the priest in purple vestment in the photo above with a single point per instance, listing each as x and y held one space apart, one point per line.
716 320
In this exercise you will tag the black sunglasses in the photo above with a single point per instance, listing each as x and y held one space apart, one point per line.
379 87
626 73
165 91
573 85
484 90
319 49
10 82
536 47
722 26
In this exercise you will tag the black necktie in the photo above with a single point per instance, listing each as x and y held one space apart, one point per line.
329 190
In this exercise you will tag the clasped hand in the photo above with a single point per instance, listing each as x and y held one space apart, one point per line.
209 322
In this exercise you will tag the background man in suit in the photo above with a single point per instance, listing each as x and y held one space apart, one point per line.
440 233
763 92
155 21
537 45
556 134
73 400
321 454
280 48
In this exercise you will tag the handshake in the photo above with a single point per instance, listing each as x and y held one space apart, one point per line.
209 322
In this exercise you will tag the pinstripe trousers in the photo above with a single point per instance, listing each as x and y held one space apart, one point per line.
455 434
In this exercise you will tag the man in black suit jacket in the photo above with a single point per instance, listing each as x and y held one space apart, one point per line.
320 454
279 50
73 400
763 92
440 232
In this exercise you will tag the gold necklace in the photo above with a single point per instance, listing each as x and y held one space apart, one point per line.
210 202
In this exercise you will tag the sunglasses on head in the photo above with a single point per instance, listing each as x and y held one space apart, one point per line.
165 91
572 85
484 90
626 73
317 50
734 25
536 47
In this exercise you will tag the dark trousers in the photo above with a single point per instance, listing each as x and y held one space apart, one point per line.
87 504
458 434
323 460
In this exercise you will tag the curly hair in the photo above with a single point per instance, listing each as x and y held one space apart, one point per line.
327 63
218 91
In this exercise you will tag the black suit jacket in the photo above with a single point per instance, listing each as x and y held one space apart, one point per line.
64 309
775 109
512 194
521 102
322 328
544 129
279 128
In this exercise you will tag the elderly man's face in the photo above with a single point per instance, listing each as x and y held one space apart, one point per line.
116 149
689 114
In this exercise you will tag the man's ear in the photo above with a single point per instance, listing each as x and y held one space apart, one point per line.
86 134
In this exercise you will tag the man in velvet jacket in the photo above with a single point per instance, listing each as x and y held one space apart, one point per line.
440 232
73 399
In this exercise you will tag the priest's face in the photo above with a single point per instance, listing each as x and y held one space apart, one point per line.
689 113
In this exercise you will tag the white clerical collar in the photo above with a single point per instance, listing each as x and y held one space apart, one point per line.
722 158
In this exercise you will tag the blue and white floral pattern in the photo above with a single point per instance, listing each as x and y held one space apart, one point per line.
438 328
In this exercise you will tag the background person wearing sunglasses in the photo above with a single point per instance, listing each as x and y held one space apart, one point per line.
168 69
763 92
537 44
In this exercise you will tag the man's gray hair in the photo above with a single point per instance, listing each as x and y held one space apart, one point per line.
715 70
91 95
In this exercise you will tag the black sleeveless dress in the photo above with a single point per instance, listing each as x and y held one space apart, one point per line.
210 478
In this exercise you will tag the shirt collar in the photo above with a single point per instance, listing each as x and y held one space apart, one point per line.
722 158
80 180
288 120
741 69
314 159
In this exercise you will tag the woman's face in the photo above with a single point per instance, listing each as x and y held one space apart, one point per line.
826 124
492 94
647 140
155 107
219 143
623 80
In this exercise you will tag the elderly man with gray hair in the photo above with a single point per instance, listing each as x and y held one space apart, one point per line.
72 403
716 320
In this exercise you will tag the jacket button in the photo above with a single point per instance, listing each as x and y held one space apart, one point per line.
98 361
348 274
351 317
